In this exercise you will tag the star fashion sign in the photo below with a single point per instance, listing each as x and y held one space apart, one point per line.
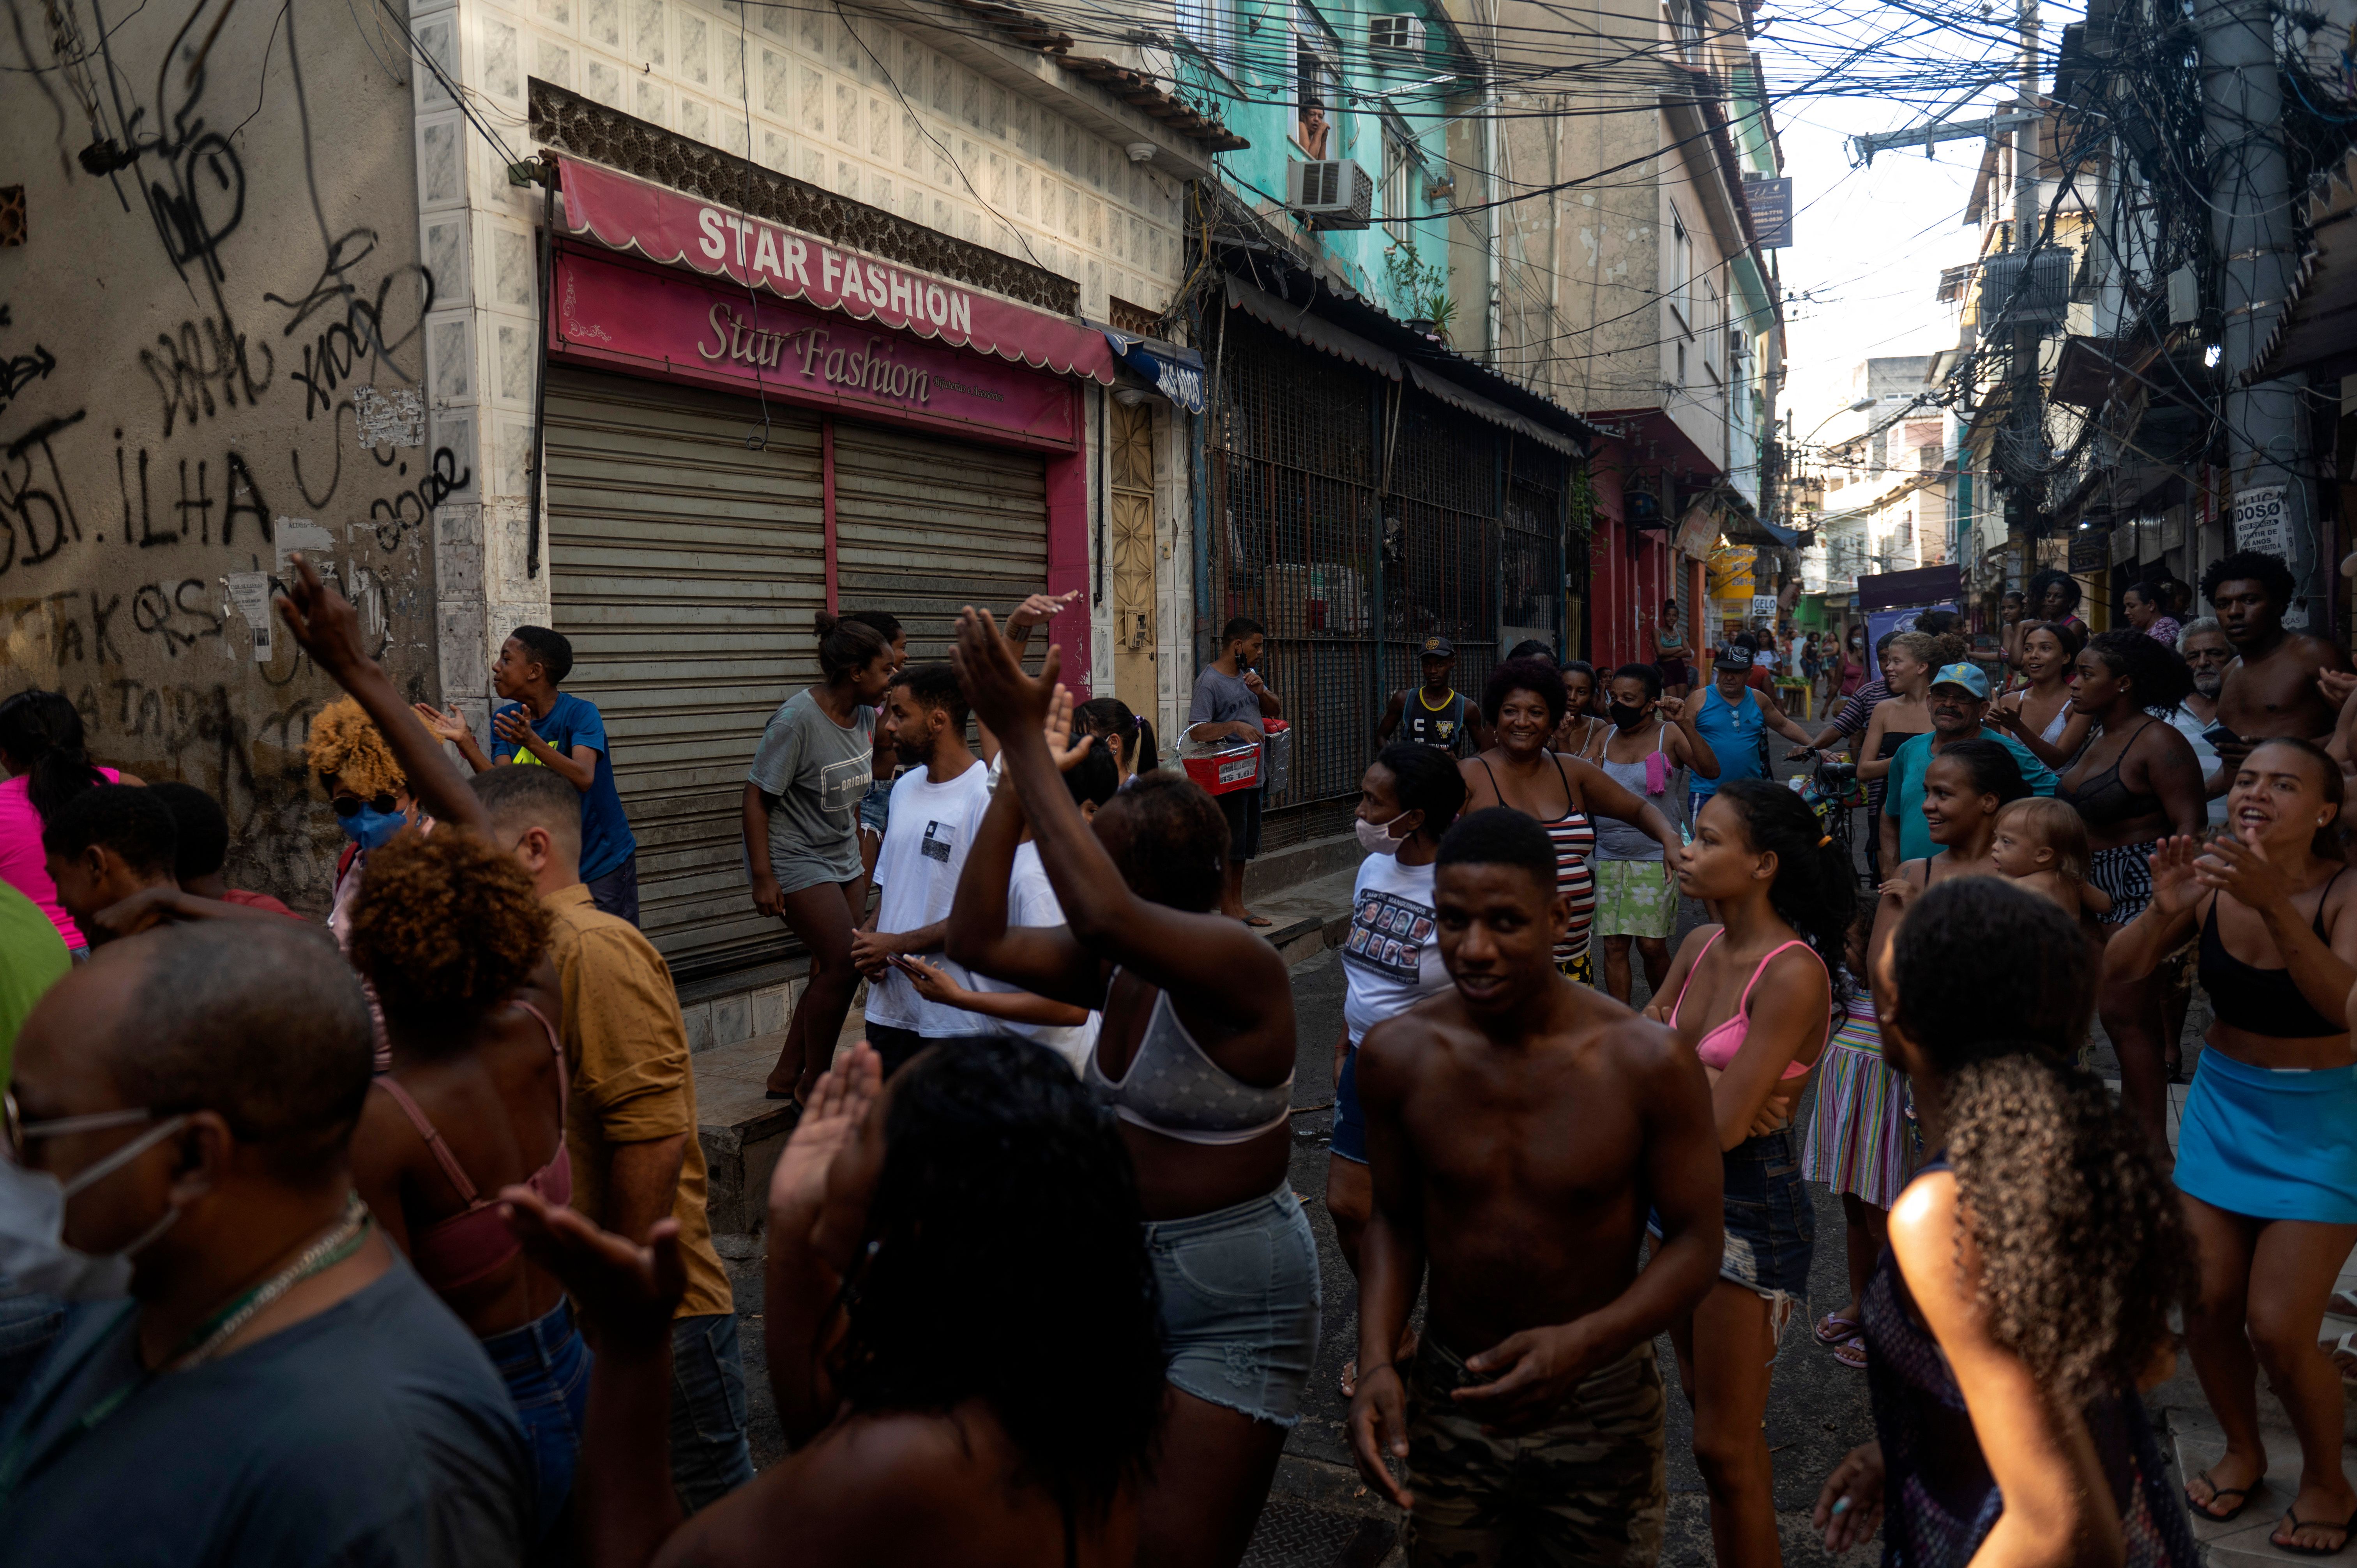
673 228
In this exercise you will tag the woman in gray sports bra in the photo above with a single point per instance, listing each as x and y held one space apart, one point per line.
1195 1058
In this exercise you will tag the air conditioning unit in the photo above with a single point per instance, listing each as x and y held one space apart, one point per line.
1333 193
1395 35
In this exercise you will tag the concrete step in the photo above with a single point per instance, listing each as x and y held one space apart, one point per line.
743 1132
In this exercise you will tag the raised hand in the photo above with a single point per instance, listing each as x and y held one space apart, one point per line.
1671 708
323 621
1062 745
830 1116
2174 886
447 725
1040 608
1003 696
627 1293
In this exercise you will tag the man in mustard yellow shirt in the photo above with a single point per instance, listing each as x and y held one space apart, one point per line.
630 1124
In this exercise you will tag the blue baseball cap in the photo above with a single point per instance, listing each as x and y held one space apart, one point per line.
1971 677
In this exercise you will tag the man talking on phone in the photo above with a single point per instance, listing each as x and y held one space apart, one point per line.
936 806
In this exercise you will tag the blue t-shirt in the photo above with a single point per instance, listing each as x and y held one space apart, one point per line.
1904 799
1734 734
375 1433
606 840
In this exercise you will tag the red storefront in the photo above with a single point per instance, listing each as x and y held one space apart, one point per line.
745 424
1642 551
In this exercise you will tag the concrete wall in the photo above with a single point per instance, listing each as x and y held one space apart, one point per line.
213 352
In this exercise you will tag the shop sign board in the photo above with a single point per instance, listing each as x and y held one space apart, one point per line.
657 322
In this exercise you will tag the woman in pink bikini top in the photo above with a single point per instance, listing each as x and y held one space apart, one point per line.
1754 998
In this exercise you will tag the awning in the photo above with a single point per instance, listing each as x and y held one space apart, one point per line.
1177 373
675 229
1481 407
1298 322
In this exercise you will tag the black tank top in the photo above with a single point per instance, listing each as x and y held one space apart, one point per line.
1443 729
2262 1000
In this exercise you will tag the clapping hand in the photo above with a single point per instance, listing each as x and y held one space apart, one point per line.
1038 609
447 725
2228 865
513 727
1062 745
2174 888
1003 696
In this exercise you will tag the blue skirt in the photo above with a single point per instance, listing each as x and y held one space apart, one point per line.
2269 1144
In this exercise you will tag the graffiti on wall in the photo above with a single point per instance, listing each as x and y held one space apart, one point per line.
240 374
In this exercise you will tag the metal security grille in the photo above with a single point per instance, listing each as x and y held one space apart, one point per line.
1307 540
685 568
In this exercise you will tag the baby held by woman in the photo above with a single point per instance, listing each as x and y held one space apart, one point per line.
2041 843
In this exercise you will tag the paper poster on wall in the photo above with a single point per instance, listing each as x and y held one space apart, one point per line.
248 595
2261 521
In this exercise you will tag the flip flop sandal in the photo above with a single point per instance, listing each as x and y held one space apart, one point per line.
1851 1353
2292 1520
2242 1495
1833 1328
2343 1352
2343 1305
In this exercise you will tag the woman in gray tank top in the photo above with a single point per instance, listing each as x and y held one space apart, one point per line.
1650 740
1195 1058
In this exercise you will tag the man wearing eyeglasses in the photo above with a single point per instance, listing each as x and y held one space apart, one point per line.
246 1372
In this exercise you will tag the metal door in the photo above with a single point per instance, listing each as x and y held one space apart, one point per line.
1130 556
685 566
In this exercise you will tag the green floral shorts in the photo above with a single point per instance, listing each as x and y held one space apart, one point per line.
1633 900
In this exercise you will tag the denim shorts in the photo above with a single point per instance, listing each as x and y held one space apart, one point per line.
1350 1140
1771 1226
1240 1303
546 1365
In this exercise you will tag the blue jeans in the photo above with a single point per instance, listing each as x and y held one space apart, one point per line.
709 1459
546 1365
28 1322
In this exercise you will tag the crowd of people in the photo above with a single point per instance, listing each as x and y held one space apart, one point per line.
385 1238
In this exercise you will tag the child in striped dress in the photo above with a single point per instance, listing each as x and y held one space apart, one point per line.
1861 1144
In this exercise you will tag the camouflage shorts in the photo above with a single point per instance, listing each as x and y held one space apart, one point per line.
1589 1490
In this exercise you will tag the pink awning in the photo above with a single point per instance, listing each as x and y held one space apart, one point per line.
675 229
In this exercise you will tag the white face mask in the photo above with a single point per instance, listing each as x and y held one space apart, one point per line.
33 1253
1375 838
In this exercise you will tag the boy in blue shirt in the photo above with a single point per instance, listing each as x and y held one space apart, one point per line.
541 726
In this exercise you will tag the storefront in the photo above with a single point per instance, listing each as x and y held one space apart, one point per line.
745 425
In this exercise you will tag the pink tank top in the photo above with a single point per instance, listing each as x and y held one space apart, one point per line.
469 1246
1717 1048
23 866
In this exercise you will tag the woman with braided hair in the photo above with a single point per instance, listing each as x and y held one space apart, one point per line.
2024 1296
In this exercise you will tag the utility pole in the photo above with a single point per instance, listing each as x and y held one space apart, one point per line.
2026 414
2250 225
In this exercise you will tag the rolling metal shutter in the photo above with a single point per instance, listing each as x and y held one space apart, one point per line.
925 526
685 568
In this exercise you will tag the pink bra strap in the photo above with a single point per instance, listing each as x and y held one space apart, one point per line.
562 1091
1698 964
432 1136
1743 1007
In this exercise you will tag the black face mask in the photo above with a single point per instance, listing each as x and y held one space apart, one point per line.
1626 716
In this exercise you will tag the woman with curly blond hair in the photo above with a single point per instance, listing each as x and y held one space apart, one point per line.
449 935
368 792
2024 1297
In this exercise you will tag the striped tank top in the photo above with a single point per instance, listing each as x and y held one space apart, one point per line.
1574 837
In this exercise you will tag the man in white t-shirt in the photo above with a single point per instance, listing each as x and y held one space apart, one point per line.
936 806
1068 1031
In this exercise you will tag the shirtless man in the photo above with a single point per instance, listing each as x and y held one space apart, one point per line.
1531 1421
2271 689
